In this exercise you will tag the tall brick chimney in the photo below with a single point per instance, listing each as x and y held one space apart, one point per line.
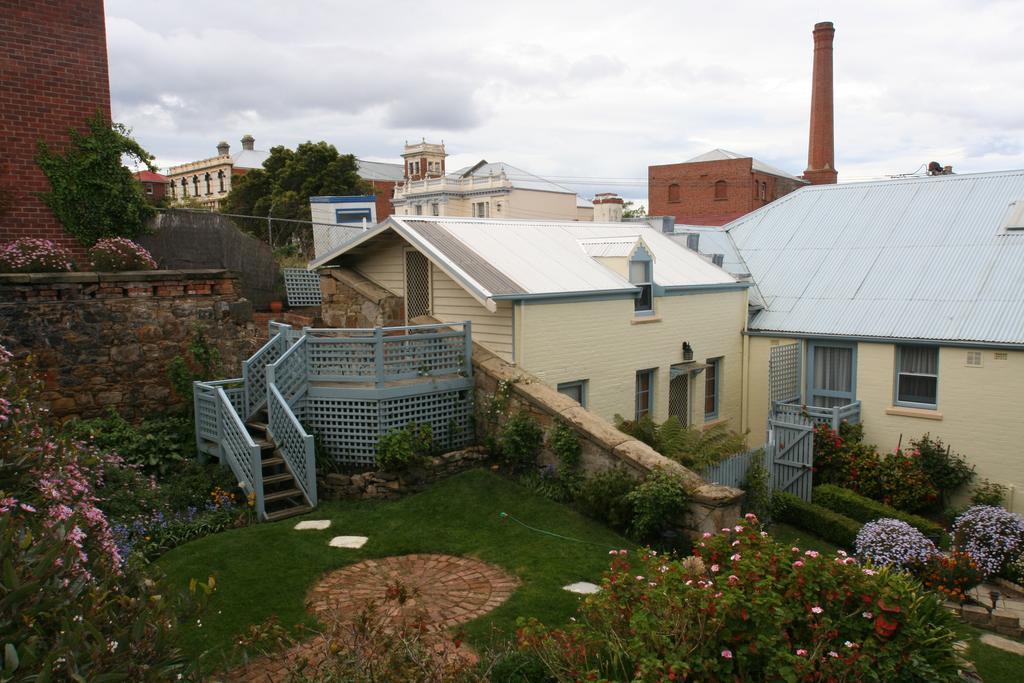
821 152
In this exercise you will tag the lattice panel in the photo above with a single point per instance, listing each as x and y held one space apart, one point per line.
342 358
292 443
784 373
236 448
254 372
302 287
348 428
679 398
447 413
206 415
423 354
417 284
290 371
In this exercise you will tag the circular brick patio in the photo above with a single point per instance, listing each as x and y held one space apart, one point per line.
450 590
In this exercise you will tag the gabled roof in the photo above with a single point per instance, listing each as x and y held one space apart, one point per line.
523 180
505 259
249 158
151 177
723 154
915 258
380 170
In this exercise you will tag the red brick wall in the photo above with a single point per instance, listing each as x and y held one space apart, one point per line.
53 76
384 190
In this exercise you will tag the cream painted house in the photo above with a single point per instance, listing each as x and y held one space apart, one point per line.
901 298
208 181
484 190
616 315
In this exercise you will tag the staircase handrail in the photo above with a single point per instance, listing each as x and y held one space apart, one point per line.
240 451
295 445
254 367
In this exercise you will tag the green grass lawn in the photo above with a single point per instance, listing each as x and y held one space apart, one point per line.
790 535
267 569
994 665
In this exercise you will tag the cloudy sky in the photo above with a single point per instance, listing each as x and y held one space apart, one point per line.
586 93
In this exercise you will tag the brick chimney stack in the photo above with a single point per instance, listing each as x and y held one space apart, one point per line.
821 153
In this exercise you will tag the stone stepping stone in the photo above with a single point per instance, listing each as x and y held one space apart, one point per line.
318 524
348 541
582 587
1003 643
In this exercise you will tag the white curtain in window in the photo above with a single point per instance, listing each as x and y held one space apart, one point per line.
833 368
919 360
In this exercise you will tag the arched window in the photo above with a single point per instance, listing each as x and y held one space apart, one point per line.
721 189
172 189
220 178
673 192
195 185
184 188
764 191
207 179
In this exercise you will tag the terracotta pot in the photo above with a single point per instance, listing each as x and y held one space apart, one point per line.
276 306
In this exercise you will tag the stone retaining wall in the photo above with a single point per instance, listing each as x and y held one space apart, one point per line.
389 486
603 446
103 340
350 300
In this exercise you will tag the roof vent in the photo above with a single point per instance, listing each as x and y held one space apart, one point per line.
1014 217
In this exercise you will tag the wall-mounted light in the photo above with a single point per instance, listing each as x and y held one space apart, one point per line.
687 351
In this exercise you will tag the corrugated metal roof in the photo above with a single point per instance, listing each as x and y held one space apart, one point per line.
249 158
713 240
505 258
380 170
757 165
524 180
609 246
915 258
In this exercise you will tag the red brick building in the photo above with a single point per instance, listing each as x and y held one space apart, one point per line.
154 185
715 188
53 77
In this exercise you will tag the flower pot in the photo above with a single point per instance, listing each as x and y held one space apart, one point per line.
276 306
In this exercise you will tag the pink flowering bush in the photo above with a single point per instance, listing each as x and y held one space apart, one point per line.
118 253
31 255
992 536
69 607
895 543
747 608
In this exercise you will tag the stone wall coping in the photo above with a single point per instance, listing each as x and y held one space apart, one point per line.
363 286
120 276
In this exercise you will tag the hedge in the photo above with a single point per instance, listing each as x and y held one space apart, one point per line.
822 522
853 505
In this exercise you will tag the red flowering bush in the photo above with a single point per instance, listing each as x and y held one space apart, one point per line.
747 608
898 479
952 576
31 255
69 607
117 253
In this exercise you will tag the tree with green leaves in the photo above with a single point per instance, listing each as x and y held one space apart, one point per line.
92 192
288 179
631 209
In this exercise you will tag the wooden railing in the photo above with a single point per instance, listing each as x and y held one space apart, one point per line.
833 417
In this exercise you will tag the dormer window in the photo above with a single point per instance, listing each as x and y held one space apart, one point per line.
641 275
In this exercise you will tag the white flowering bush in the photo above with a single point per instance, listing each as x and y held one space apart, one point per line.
894 543
118 253
31 255
992 536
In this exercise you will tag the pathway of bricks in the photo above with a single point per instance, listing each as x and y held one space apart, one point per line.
449 590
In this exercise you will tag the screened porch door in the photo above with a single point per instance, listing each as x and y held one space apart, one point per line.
831 374
417 285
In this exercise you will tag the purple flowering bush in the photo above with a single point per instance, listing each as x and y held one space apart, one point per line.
893 542
31 255
992 536
70 608
113 254
744 607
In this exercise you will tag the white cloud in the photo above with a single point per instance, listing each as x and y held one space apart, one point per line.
571 90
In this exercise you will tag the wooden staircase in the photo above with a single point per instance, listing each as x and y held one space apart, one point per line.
282 497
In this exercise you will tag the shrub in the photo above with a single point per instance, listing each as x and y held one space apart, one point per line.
1014 571
565 444
952 576
605 497
693 448
658 503
202 363
831 526
895 543
758 499
991 535
519 667
118 253
405 448
157 445
31 255
520 441
905 485
946 470
749 609
150 537
988 493
853 505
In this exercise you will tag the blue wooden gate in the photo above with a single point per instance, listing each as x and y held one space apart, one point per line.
791 447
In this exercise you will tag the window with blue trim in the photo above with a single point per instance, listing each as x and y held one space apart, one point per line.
576 390
644 393
831 374
712 384
917 376
352 215
641 275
